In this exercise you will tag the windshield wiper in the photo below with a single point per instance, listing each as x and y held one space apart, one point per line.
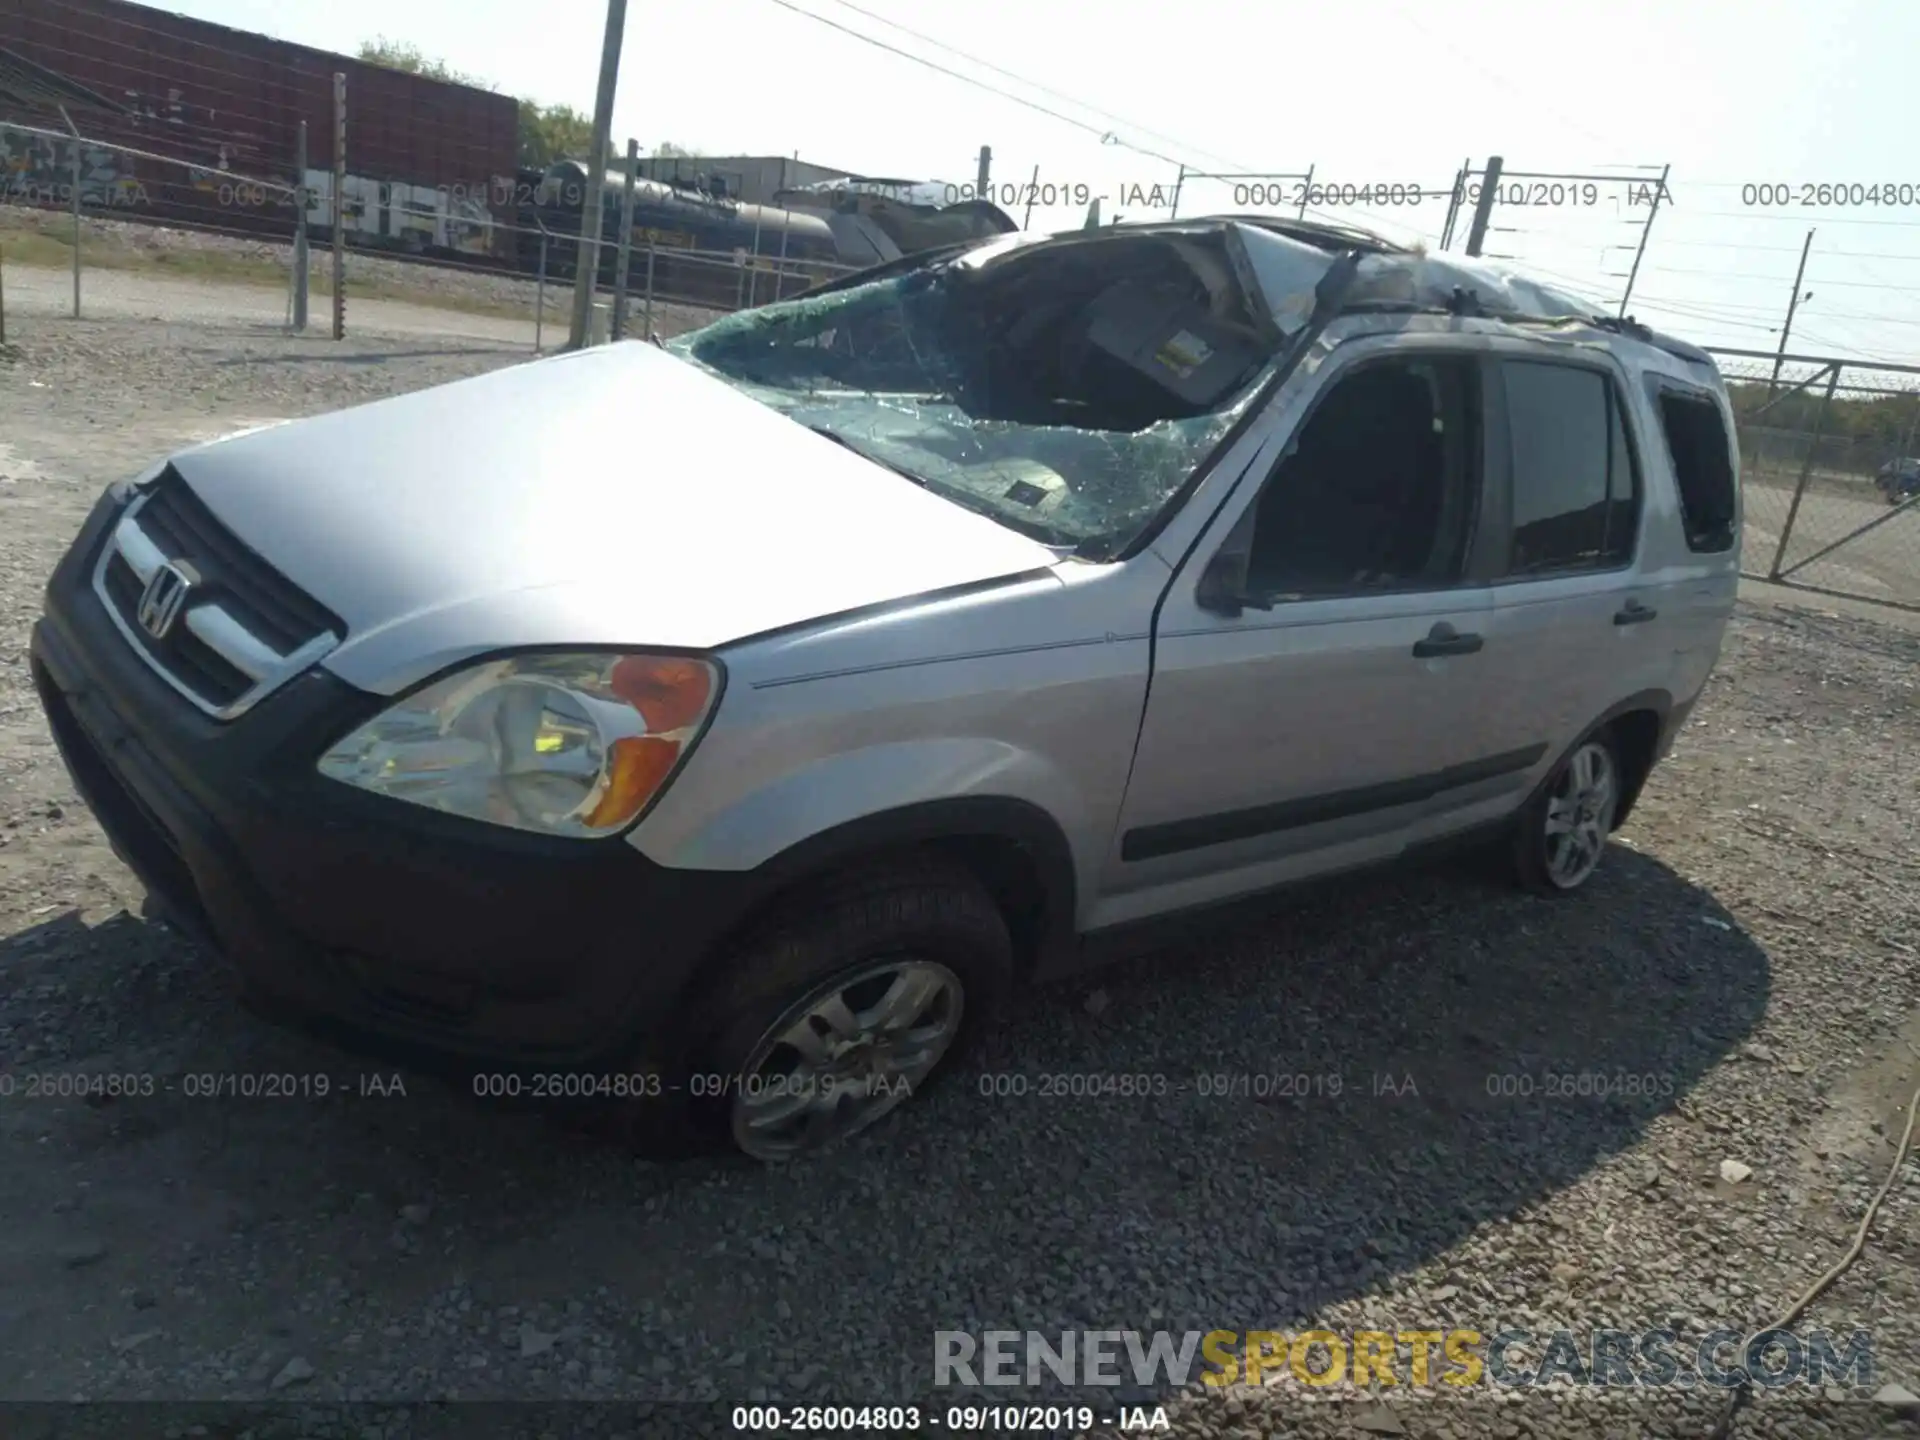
1033 531
893 465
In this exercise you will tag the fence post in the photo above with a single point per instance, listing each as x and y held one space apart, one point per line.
1483 208
649 316
780 264
339 205
300 257
1460 178
1806 470
753 285
540 293
3 300
73 175
625 254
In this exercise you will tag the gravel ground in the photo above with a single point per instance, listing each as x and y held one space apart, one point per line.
1750 947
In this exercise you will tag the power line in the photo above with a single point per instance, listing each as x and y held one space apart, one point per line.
1106 137
1775 279
1035 84
1824 315
1799 217
1405 14
1782 249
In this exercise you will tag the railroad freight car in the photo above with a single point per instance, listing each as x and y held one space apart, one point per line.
212 110
702 244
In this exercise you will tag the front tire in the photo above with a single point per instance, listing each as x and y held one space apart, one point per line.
1561 834
833 1015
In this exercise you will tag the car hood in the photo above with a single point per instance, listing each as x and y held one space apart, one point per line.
613 496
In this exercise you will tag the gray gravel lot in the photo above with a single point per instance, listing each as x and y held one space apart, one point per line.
1750 948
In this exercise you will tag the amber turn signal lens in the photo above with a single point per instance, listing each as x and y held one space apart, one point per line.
669 693
636 767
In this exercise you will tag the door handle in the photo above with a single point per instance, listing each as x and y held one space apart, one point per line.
1443 639
1634 613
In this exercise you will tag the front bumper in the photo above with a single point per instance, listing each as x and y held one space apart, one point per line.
382 921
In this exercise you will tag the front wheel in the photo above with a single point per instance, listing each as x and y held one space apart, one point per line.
837 1015
1562 832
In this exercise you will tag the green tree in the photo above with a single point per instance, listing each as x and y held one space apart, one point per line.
399 55
552 132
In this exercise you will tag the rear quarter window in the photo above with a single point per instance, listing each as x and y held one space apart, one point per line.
1702 452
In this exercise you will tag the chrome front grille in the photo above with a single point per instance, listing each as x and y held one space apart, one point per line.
212 619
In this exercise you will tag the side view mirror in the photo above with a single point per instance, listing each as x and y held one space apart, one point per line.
1223 586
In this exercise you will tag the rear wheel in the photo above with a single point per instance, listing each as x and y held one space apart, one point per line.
1561 834
835 1015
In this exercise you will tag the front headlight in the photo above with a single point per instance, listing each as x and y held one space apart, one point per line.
560 744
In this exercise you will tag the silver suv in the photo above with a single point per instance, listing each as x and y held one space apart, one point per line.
717 730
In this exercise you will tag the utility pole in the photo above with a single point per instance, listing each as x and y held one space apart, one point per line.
984 180
1179 181
300 261
1793 303
587 271
340 206
1033 189
1634 271
1483 208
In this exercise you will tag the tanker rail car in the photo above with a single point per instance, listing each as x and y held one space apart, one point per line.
700 242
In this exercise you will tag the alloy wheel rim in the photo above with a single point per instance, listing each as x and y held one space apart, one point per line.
1580 812
844 1056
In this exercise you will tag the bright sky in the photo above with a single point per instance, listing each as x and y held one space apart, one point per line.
1731 93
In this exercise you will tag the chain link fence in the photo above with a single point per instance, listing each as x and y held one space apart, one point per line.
81 216
1830 467
62 198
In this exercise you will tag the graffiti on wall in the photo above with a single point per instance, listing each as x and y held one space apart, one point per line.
38 170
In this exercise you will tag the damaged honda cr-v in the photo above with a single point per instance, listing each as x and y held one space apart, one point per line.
726 726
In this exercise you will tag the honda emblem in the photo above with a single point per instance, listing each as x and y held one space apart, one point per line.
163 599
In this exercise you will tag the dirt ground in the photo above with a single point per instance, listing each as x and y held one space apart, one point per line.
1749 953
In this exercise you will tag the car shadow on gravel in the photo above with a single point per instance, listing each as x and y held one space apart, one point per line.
1401 1058
1231 1133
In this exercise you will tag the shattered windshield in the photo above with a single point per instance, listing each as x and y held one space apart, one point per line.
1067 393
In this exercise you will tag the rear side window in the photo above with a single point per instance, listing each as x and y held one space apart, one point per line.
1575 490
1702 465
